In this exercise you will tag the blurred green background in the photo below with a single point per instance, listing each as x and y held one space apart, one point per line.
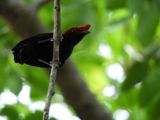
119 60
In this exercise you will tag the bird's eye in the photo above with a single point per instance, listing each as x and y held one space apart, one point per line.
74 30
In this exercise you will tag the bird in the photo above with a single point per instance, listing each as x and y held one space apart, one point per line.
37 50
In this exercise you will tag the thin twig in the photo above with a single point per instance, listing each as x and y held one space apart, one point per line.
53 74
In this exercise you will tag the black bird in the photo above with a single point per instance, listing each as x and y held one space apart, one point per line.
38 49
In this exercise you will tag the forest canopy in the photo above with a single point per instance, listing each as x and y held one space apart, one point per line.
117 64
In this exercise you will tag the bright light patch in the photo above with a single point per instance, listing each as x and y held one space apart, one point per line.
116 72
37 106
105 51
110 14
3 118
24 95
109 91
58 97
61 112
132 52
138 85
7 98
134 16
121 115
58 110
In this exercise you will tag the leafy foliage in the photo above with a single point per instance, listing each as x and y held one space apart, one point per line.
130 29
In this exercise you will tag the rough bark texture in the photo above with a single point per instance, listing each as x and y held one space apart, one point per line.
20 17
78 94
55 59
25 23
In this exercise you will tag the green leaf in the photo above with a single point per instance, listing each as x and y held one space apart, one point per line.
35 93
150 87
135 74
45 15
9 77
10 112
135 5
116 4
34 116
153 110
38 80
148 20
15 85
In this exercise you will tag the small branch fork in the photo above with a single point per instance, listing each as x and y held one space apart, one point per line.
53 73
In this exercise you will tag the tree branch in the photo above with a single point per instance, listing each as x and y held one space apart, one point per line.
25 23
55 64
20 18
40 4
78 95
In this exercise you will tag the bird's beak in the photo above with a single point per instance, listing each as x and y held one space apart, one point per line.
84 27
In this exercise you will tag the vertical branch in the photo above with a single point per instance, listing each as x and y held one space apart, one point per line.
56 41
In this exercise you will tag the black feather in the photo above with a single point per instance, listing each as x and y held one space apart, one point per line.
38 49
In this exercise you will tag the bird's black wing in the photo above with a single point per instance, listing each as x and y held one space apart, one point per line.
35 50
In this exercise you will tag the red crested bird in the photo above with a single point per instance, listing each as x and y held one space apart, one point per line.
38 49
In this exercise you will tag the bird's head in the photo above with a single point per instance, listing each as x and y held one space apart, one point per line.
75 34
